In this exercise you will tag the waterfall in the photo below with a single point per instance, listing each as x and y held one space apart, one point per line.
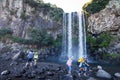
69 35
82 36
69 26
64 37
84 33
80 46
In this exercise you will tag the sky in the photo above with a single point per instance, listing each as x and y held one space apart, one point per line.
68 5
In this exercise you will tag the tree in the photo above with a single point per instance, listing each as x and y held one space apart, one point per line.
41 38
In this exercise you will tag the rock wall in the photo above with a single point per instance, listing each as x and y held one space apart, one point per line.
106 20
19 16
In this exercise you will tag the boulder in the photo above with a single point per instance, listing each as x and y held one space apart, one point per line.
6 72
67 77
15 57
102 73
91 78
117 75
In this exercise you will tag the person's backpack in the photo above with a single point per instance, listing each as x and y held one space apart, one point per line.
81 59
36 55
30 55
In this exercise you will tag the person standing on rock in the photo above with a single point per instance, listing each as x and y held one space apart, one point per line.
35 58
29 58
69 64
83 66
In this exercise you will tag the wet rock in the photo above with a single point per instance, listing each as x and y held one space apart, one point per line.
40 71
41 77
117 75
14 63
102 73
6 72
58 69
22 71
48 73
5 49
18 75
31 76
15 57
48 79
67 77
91 78
8 79
75 75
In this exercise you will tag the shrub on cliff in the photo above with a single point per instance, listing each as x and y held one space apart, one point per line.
101 41
41 37
5 33
95 6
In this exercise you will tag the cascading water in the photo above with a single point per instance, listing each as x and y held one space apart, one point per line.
64 38
80 47
69 35
67 43
84 33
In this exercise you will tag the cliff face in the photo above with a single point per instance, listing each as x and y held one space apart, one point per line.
106 20
19 16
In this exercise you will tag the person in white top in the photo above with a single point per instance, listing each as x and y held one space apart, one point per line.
69 64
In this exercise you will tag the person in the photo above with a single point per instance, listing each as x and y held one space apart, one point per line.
86 65
29 58
69 64
83 66
35 58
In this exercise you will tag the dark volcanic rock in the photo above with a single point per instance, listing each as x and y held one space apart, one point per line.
67 77
48 73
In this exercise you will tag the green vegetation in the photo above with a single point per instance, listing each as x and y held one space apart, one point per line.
102 41
39 38
58 41
20 40
113 55
23 15
5 33
42 38
13 12
95 6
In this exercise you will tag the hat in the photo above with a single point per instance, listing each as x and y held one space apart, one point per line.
81 59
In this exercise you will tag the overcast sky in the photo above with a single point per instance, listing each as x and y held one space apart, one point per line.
68 5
